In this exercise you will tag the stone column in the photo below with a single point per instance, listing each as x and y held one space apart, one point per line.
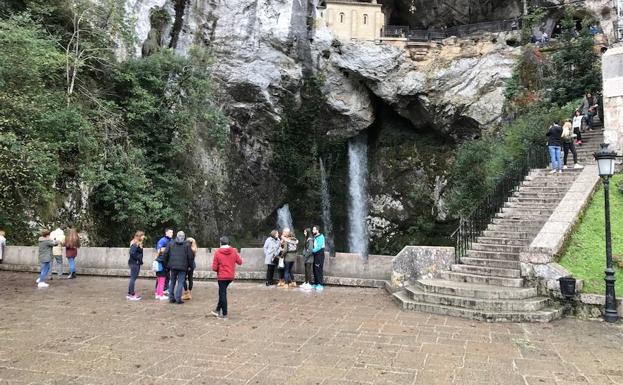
612 71
354 23
379 23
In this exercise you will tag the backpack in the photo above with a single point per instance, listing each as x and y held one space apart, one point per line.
157 266
291 246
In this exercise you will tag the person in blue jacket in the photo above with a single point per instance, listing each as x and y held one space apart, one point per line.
318 252
160 247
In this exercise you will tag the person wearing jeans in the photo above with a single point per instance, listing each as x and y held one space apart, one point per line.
176 285
178 257
72 243
134 263
554 143
224 264
45 256
222 297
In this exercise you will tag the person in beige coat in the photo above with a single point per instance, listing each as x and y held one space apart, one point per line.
58 235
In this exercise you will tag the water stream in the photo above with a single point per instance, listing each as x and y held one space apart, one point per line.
358 195
284 218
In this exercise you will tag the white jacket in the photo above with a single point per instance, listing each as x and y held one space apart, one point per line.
58 235
577 121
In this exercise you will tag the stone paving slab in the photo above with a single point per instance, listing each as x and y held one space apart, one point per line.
85 332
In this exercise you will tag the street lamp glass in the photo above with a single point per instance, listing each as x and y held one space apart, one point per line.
605 160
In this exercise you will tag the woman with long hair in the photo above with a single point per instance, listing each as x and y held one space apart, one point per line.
288 252
188 282
72 244
135 262
308 258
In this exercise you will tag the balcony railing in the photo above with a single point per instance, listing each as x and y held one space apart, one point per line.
433 34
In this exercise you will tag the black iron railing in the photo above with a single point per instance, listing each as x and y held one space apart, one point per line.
433 34
473 225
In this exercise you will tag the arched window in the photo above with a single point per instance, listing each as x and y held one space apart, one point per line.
341 17
365 19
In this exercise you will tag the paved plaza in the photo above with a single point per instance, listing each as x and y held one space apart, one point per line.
85 332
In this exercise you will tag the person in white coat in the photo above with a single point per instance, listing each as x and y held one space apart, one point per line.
271 252
58 235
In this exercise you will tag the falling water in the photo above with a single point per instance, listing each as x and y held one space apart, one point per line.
284 218
357 191
326 207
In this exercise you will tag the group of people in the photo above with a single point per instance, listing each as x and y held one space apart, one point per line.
174 265
280 254
564 139
51 252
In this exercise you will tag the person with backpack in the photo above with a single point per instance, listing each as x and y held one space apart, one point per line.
162 245
271 254
178 257
57 235
224 264
589 109
568 139
318 252
554 143
289 245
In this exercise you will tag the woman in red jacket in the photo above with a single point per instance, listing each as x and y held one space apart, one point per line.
224 264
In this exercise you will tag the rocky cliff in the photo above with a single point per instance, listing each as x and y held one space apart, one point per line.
265 49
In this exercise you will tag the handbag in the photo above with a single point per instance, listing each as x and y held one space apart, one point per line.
282 264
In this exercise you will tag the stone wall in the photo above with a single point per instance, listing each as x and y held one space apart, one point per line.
538 261
343 269
612 72
420 262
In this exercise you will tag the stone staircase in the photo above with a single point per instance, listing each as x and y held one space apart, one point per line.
487 284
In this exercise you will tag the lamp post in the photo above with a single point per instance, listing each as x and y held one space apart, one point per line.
605 162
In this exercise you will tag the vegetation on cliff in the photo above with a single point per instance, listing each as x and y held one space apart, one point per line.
90 141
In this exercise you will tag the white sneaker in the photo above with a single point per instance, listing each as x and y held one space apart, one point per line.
553 172
163 298
564 167
37 281
560 171
42 284
133 297
578 166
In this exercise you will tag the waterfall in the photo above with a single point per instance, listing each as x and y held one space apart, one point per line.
284 218
326 207
358 195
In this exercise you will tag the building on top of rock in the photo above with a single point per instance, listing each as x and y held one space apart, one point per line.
353 20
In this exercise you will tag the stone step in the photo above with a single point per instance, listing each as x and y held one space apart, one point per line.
498 263
486 270
509 227
539 194
493 255
524 212
502 241
516 305
537 202
481 279
544 315
473 290
518 219
505 248
514 235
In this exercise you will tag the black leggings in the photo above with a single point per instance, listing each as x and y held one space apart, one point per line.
270 273
308 272
318 267
222 296
188 282
569 146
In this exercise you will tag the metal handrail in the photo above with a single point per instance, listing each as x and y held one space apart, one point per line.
473 225
458 31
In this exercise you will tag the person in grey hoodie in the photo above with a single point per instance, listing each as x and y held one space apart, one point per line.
308 258
271 251
45 256
178 257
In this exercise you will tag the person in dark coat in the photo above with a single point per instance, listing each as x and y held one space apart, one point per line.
178 257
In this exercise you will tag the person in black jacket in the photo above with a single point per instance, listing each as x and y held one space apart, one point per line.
134 262
554 144
178 257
